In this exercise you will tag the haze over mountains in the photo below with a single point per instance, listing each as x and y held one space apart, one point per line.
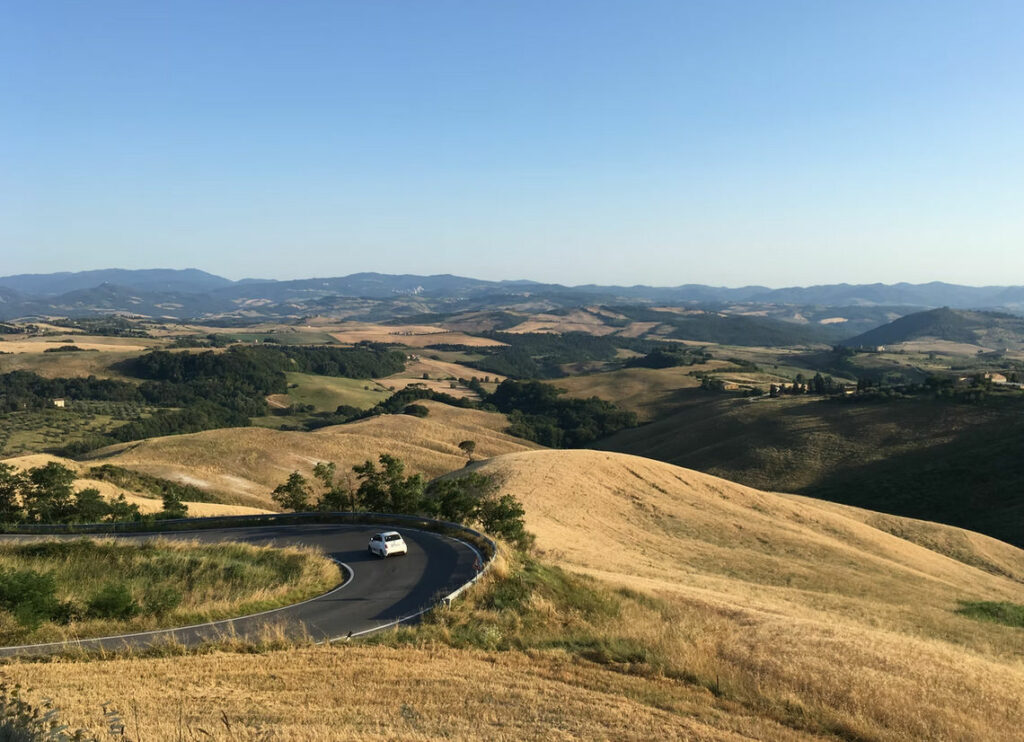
193 294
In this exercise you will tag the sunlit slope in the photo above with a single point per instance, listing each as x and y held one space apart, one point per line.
348 692
943 461
629 517
146 502
798 601
247 463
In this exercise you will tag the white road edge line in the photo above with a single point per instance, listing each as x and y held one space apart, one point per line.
69 643
444 601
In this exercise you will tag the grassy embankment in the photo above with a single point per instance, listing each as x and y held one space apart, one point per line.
57 590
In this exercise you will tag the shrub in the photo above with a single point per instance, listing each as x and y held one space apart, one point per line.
30 596
114 600
160 600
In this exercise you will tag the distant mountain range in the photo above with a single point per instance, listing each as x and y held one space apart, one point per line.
196 294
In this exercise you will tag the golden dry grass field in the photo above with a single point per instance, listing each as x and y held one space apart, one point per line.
773 617
414 336
243 465
579 320
646 391
442 376
110 490
55 365
100 343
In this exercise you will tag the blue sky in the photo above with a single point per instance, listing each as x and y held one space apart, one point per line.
730 143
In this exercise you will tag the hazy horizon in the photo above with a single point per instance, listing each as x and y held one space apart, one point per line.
655 143
520 279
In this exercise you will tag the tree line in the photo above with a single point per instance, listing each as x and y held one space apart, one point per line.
470 499
541 355
536 411
46 494
195 391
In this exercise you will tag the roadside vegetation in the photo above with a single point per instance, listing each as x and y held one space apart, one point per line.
58 590
470 499
46 494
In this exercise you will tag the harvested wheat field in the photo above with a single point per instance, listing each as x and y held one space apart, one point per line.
413 336
579 320
243 465
326 694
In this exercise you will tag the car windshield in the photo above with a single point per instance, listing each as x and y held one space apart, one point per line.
393 537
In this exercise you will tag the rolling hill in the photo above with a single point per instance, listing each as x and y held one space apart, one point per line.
375 296
945 461
743 615
987 329
243 465
147 502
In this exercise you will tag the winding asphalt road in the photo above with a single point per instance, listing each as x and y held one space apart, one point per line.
378 592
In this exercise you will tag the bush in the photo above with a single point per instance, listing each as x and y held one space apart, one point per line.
417 410
503 517
30 596
160 600
114 600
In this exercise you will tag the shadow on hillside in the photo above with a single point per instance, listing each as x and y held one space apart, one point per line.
975 482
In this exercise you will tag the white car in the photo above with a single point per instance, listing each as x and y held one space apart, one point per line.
387 543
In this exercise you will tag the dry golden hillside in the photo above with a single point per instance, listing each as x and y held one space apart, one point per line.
243 465
845 612
110 491
646 391
747 614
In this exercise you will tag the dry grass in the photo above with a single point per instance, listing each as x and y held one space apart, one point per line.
579 320
351 692
441 375
740 614
57 365
413 336
110 491
936 345
645 391
85 342
791 603
243 465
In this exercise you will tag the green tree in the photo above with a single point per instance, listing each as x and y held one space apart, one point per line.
335 495
458 499
173 506
387 490
468 447
293 494
504 517
48 498
11 484
90 507
121 509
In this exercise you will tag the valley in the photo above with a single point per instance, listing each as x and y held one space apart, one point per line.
648 447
